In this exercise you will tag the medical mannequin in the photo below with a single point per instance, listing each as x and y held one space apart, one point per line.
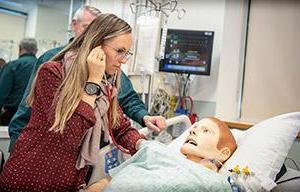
210 143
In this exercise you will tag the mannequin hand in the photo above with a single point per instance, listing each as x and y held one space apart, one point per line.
99 185
155 123
138 143
96 64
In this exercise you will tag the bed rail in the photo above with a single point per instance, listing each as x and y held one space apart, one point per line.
174 120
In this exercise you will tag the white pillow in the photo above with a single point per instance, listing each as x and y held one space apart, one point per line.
264 147
238 135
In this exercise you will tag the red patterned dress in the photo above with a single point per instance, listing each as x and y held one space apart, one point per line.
45 161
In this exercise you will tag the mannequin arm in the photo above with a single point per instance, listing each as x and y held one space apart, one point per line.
99 185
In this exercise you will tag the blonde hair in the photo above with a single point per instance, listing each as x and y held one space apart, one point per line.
68 95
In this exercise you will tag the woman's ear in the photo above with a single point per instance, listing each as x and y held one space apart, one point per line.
225 152
74 24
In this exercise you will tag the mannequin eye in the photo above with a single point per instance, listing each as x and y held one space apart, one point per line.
205 130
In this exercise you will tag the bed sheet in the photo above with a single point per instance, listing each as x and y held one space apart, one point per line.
156 168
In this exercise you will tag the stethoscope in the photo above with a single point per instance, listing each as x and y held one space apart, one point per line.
109 89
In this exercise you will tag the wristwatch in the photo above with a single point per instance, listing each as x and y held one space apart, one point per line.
92 88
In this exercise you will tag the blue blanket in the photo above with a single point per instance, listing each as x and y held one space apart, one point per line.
155 168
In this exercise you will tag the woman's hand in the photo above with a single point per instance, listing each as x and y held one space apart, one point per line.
96 64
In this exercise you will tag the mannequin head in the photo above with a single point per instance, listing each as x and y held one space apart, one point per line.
209 138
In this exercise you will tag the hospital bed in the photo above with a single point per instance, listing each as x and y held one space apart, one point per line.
110 156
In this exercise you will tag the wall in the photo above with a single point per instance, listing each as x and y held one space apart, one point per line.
10 35
10 31
272 60
232 59
31 21
51 27
111 6
203 15
47 21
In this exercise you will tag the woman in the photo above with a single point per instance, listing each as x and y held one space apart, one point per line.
74 104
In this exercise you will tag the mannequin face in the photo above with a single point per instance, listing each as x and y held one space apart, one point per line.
202 142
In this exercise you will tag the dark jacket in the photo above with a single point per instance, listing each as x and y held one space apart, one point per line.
129 101
13 80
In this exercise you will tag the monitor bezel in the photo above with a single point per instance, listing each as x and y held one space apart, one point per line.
207 72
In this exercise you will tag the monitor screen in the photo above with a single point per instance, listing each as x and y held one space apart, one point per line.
185 51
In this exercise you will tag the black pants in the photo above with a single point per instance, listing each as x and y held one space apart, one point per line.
6 115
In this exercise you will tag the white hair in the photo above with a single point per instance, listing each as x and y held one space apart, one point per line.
92 10
29 45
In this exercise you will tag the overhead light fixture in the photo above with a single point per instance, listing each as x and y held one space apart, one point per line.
150 6
10 3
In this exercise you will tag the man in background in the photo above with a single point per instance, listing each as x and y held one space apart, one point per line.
2 63
14 78
128 99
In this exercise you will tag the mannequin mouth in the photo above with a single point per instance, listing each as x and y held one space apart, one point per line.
191 141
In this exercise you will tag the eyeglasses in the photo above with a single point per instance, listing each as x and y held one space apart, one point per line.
122 54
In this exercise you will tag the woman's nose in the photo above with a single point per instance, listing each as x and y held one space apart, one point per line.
123 61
